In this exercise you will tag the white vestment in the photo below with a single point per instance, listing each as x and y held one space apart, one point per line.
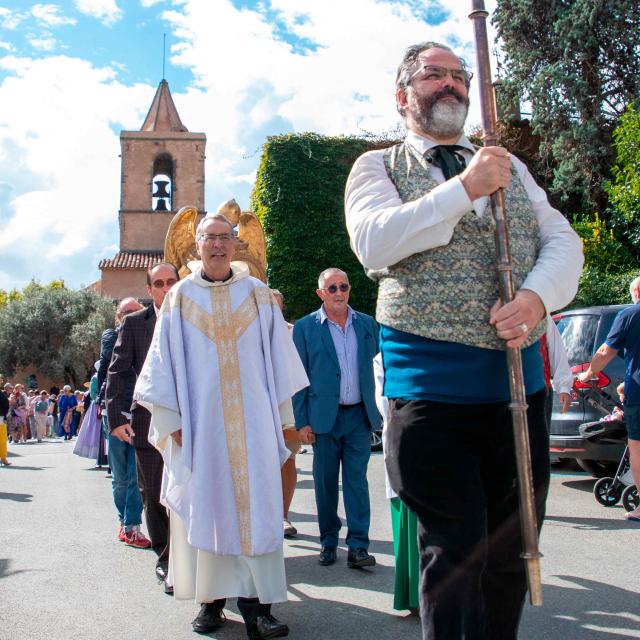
220 363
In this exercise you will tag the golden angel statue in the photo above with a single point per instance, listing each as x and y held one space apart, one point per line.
180 242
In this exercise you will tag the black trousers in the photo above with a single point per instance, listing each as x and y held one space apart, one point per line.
454 465
150 465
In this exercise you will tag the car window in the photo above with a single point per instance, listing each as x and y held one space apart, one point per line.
579 335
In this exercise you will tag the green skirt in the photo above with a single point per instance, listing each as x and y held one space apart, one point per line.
405 549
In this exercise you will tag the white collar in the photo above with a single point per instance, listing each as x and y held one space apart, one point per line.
422 144
238 268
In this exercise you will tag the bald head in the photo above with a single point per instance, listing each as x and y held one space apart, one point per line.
327 273
634 290
126 306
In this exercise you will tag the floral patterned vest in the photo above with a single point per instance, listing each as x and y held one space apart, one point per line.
446 293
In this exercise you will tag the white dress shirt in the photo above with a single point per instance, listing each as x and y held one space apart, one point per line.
562 378
384 230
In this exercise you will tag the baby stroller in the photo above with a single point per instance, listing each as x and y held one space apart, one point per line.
611 430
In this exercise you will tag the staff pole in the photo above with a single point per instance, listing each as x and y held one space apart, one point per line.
518 405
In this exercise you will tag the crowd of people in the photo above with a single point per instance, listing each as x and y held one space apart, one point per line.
34 415
211 458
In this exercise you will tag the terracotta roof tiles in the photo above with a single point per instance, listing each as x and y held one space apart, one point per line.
138 260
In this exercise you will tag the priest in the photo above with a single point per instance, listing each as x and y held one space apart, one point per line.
220 364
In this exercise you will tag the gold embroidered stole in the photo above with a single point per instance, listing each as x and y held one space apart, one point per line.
224 327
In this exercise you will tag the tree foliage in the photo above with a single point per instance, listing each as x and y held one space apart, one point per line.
624 190
577 63
609 266
54 329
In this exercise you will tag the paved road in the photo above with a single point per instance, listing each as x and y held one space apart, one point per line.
63 574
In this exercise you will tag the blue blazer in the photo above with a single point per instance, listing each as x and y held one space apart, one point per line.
317 404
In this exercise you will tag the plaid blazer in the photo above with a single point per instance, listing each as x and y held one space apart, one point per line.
128 357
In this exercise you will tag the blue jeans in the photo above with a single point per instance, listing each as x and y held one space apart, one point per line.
126 494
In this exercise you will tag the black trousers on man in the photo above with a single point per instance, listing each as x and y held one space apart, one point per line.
454 465
150 466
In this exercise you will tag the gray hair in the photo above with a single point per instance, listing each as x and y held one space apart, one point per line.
325 274
214 216
121 306
634 286
405 68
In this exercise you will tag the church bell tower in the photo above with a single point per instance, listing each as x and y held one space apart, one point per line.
162 170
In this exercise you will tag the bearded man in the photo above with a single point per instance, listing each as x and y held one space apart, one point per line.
418 218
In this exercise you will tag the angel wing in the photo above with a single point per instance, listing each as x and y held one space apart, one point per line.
180 241
251 247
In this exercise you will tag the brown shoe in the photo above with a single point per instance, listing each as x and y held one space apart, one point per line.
289 530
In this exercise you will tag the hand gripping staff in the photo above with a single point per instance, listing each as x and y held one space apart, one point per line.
518 405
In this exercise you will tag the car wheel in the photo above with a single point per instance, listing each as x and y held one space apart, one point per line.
376 441
630 499
598 468
606 493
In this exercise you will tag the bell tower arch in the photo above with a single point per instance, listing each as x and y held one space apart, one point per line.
162 170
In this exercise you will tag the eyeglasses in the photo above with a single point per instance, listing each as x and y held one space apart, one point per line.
333 288
159 284
210 238
433 73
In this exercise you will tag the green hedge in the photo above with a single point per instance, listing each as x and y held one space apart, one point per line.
597 288
299 198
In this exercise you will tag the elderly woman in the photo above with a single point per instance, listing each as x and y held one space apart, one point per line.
66 402
40 409
19 410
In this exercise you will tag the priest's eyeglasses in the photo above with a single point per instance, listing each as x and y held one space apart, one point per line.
433 73
333 288
210 238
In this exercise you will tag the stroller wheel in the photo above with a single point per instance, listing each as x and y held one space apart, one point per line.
607 492
630 499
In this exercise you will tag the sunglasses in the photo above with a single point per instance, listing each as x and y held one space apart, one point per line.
159 284
333 288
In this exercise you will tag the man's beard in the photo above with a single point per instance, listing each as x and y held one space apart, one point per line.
440 118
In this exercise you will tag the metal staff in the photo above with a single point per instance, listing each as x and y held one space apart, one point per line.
518 405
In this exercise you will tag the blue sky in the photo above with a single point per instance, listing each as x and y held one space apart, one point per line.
74 73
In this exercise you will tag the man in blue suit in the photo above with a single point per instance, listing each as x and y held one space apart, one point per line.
337 346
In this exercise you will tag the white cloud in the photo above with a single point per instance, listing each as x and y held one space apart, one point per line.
50 14
107 11
60 167
43 42
6 46
10 19
150 3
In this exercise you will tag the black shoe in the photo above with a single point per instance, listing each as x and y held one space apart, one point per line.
359 558
209 619
327 556
266 627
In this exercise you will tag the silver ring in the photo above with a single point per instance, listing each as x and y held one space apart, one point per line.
524 327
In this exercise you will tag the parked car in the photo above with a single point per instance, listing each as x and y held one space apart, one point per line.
583 331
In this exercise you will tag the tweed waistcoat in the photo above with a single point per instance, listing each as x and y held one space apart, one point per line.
446 293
